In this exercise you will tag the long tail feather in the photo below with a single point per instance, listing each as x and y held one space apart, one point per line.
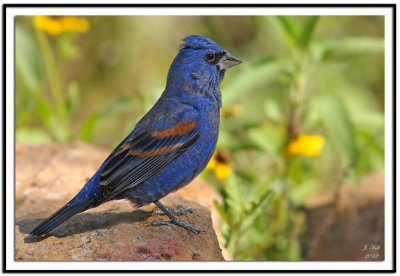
59 217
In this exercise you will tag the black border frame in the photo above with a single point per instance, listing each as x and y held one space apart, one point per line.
4 13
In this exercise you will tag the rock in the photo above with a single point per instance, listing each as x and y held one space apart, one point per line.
121 235
200 191
49 176
349 227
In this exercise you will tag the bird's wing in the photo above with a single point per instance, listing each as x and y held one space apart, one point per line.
145 153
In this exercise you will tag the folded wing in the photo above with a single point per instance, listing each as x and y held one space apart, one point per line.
144 154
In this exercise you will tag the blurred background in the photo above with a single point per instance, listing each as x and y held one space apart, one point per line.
302 119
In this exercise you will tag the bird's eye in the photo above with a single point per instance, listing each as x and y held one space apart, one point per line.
210 57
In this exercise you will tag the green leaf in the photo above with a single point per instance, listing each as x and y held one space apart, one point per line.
89 127
235 193
73 97
221 212
347 47
272 111
299 194
295 36
267 138
59 133
261 200
45 112
31 136
256 210
27 62
288 29
51 121
250 77
118 106
294 250
25 103
372 119
371 155
67 45
338 125
308 30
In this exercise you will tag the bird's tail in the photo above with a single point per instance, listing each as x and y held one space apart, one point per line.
70 209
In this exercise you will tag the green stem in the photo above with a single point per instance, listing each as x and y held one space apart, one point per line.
296 91
285 207
56 91
236 250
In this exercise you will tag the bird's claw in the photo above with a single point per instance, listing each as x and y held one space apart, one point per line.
178 223
174 220
178 210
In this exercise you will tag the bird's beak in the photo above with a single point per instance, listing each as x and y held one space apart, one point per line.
228 60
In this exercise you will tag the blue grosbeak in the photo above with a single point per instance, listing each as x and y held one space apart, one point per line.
169 146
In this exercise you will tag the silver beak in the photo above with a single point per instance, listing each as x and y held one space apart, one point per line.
228 60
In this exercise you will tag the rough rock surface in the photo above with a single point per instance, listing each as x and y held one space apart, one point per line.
48 176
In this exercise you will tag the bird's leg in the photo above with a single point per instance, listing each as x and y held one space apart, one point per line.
173 220
178 210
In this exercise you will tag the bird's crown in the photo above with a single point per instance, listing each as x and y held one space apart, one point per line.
199 42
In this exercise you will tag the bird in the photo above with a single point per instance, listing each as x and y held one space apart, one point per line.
169 146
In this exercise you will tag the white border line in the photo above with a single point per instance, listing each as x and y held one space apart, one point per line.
384 265
201 11
389 115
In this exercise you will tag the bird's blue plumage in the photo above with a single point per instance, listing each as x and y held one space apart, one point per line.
171 144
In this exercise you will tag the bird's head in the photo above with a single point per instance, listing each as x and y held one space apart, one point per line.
201 62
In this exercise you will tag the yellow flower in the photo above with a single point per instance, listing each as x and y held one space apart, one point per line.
219 165
222 171
212 163
308 145
55 25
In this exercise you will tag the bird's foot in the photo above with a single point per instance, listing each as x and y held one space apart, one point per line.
177 222
178 210
174 220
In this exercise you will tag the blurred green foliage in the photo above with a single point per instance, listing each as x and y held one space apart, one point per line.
321 76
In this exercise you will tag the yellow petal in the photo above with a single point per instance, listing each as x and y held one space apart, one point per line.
307 145
53 27
41 21
56 26
212 163
82 25
222 170
69 23
49 25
